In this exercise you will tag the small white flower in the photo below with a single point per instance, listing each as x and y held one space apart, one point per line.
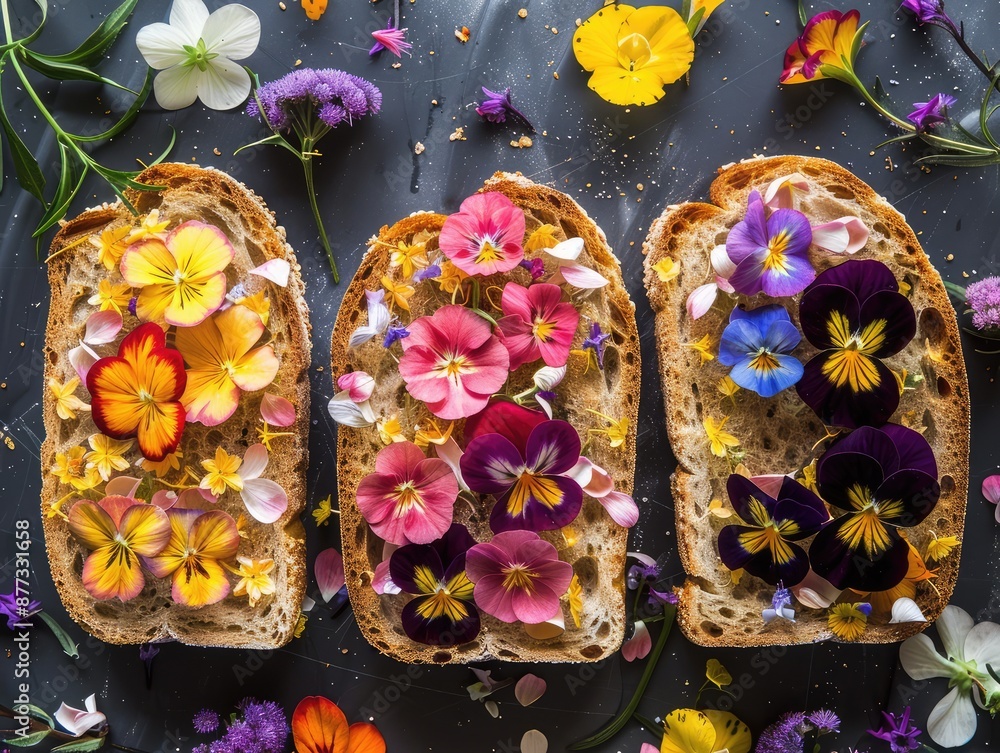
195 52
78 721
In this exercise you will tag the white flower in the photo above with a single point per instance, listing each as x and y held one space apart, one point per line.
195 52
968 649
78 721
378 319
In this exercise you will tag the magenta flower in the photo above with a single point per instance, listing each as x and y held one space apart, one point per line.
484 236
392 39
983 298
536 324
931 12
518 577
409 498
453 362
928 114
771 254
497 106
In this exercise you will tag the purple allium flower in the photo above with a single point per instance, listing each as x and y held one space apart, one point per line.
896 731
496 106
930 12
784 736
17 614
260 727
824 720
132 302
205 721
983 298
595 342
337 97
932 112
392 39
394 333
536 267
427 273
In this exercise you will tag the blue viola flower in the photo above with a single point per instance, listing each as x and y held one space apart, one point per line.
757 344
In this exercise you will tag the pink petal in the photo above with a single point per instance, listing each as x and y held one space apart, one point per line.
276 410
102 327
600 484
529 689
265 500
639 645
81 358
538 605
580 276
769 483
779 193
701 300
164 499
76 721
254 462
382 580
582 472
721 262
724 285
991 489
848 235
359 385
647 748
329 569
621 507
122 486
493 598
275 270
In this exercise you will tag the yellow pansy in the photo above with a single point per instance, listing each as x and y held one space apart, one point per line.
258 303
111 296
323 511
148 227
617 431
703 348
390 430
709 731
719 439
408 258
397 293
541 238
106 454
72 469
255 579
666 269
161 468
575 594
848 621
222 473
633 53
67 403
111 245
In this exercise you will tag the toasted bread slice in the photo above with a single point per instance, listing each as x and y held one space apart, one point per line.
189 193
598 553
782 434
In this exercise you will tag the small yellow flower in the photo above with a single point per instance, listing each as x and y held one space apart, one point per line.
718 510
848 621
241 526
111 296
570 536
67 403
222 473
71 469
408 258
323 511
719 439
55 508
736 576
111 245
397 293
149 227
106 454
390 429
589 355
617 431
666 269
543 237
576 600
939 547
703 348
300 626
171 462
808 479
267 436
728 387
451 277
258 303
255 579
430 433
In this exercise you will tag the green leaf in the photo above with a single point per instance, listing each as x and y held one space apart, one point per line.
91 50
90 743
158 160
69 648
39 713
960 160
716 674
273 140
57 71
984 114
803 14
127 119
44 5
28 740
958 293
72 173
858 41
29 175
693 22
895 139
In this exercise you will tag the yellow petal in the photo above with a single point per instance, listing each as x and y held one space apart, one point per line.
91 525
256 370
240 329
670 45
214 535
210 396
687 731
595 43
112 572
199 582
730 733
148 263
203 346
146 529
621 87
201 250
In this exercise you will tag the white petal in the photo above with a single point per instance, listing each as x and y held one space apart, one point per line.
102 327
953 627
779 193
176 88
451 454
189 15
534 741
953 720
548 377
582 277
982 645
275 270
545 405
254 462
568 250
816 592
905 609
345 411
846 235
921 661
361 335
162 46
266 501
721 262
77 721
224 85
91 703
307 604
645 559
232 31
544 631
701 299
582 472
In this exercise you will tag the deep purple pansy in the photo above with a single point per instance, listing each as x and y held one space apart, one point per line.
883 479
855 314
442 612
771 254
763 544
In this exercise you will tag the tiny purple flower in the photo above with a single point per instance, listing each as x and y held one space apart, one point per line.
983 298
206 721
781 606
427 273
595 342
17 614
784 736
394 333
536 267
336 97
392 39
930 12
132 302
496 106
932 112
825 721
896 731
662 597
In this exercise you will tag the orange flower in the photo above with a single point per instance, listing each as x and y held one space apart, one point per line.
222 361
319 726
110 245
137 393
197 542
830 39
182 278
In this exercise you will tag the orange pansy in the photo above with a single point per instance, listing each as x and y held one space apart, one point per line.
319 726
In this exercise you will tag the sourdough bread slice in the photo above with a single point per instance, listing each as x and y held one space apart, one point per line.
598 553
782 434
189 193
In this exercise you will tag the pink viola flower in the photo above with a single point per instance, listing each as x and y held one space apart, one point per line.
410 498
518 577
537 324
484 236
359 385
392 39
453 362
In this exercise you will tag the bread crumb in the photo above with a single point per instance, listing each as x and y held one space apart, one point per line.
298 61
555 75
639 186
282 6
418 148
216 152
965 274
462 35
522 143
397 65
458 134
555 30
434 102
950 257
523 13
431 52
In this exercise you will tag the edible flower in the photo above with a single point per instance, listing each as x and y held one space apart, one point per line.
265 499
172 462
702 298
897 731
639 644
497 106
931 12
928 114
771 253
708 731
846 235
616 431
67 403
223 362
855 314
633 53
397 293
392 39
106 454
518 577
595 342
409 498
378 319
536 324
781 606
182 278
453 362
983 298
319 726
323 511
137 393
222 473
884 479
666 269
443 612
255 579
78 721
940 547
484 236
757 345
110 245
763 545
567 270
394 333
111 296
527 479
390 429
199 543
117 531
408 258
149 226
719 440
848 621
780 193
830 40
195 54
598 484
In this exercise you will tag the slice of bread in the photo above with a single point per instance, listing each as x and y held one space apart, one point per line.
782 434
598 554
210 196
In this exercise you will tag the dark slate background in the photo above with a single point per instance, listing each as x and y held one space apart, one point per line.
370 176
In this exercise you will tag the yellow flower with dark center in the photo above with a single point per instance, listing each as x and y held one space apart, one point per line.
851 360
67 403
111 296
255 579
848 621
106 454
222 473
111 245
72 469
719 440
633 53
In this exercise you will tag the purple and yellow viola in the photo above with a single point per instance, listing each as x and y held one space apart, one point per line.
855 314
764 545
442 612
884 479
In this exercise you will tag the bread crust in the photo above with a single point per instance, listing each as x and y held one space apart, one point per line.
599 553
712 611
189 192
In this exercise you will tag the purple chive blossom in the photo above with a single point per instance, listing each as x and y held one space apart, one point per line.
825 721
427 273
394 333
260 727
496 106
930 12
896 731
337 97
595 342
536 267
642 573
205 721
984 299
784 736
132 302
927 114
392 39
17 614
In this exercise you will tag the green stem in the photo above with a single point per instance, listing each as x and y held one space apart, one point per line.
959 36
649 724
307 168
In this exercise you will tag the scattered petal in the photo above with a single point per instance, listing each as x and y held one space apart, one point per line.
275 270
276 410
329 569
529 689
